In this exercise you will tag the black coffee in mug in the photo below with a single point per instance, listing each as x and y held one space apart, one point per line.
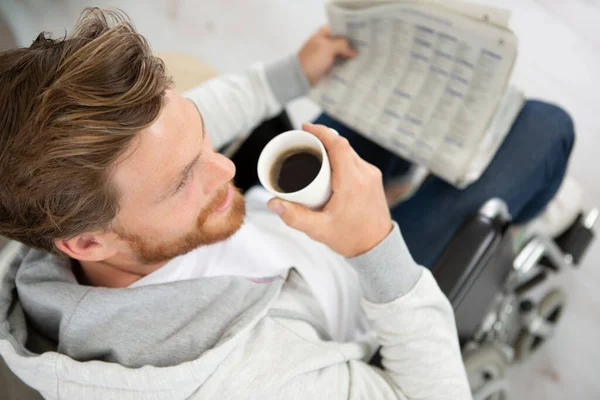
295 168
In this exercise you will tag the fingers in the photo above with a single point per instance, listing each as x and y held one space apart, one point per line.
342 47
326 135
325 30
338 148
298 217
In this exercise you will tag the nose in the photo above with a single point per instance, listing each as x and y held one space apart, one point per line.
219 171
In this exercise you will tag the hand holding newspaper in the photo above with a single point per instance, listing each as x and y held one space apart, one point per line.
429 82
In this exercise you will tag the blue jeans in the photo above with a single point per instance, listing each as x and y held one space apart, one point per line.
526 173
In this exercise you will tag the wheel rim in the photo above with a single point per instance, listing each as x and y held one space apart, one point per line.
485 368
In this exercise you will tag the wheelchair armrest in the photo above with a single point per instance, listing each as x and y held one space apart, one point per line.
470 248
474 266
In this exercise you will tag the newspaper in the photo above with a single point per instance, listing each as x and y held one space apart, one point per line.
428 83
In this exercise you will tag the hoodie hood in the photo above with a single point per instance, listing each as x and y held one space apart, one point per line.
183 330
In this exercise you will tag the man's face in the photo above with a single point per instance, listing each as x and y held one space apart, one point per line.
175 190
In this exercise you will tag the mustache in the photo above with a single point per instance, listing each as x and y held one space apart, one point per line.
215 203
219 198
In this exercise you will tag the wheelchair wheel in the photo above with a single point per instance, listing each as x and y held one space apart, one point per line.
545 317
485 368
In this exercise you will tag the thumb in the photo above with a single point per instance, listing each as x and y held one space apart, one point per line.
295 215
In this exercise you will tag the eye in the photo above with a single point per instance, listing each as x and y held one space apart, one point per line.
182 184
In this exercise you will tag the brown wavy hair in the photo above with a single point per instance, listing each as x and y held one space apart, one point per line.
69 108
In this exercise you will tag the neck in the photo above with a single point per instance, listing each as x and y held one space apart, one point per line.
116 272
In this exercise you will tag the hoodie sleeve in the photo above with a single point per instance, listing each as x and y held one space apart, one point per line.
232 105
415 326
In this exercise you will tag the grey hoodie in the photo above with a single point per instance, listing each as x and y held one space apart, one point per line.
227 337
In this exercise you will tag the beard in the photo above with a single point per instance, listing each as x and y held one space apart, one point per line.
205 232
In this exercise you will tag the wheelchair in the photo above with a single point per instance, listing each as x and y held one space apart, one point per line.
487 281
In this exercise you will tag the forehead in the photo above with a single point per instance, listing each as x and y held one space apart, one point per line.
159 152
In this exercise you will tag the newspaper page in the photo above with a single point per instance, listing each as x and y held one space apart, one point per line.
506 114
425 84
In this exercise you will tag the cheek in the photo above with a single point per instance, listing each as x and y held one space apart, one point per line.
192 200
181 218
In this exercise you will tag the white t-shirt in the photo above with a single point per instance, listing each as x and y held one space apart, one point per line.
264 246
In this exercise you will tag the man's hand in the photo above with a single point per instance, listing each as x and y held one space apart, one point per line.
356 218
319 52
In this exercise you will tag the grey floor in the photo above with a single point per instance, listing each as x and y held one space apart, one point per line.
559 61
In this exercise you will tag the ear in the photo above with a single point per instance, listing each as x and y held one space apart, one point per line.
94 246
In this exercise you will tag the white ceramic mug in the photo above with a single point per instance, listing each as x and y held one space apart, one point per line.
318 192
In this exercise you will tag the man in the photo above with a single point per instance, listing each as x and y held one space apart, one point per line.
141 254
